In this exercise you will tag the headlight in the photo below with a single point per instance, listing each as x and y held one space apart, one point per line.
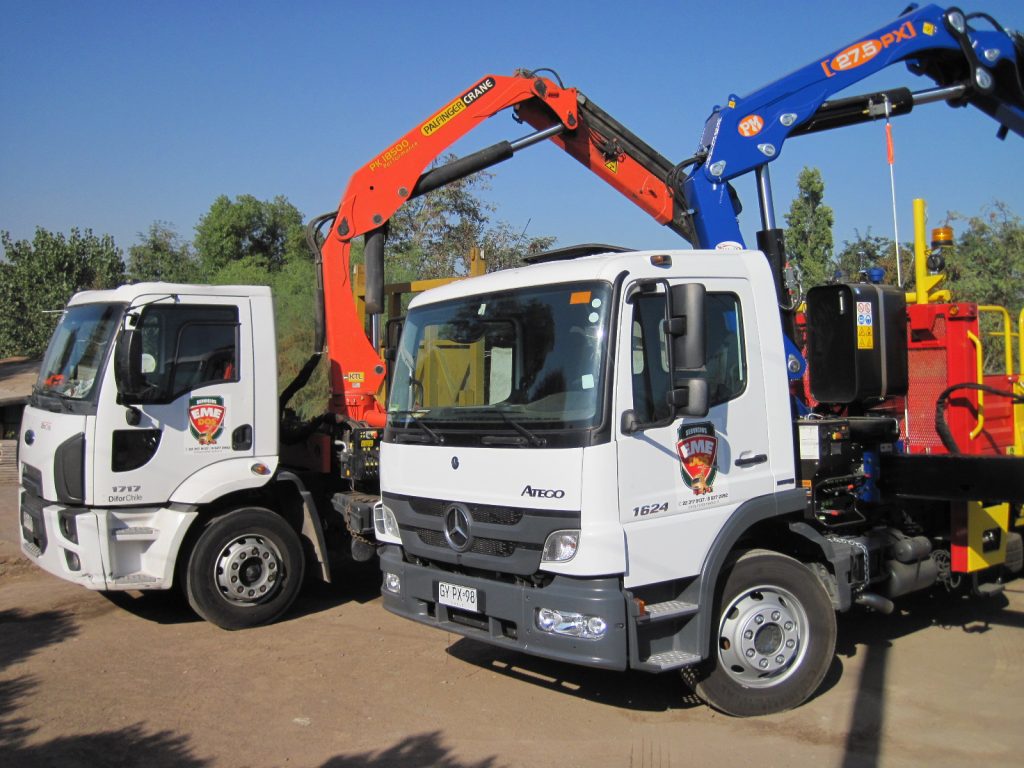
571 624
560 547
385 525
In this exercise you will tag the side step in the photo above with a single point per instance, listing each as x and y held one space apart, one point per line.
670 609
658 638
989 589
666 660
133 580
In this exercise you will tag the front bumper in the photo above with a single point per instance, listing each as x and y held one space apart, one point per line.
107 549
508 611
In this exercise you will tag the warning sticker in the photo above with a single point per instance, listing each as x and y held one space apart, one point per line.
865 326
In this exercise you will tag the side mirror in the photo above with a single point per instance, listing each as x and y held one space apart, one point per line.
128 366
392 337
691 399
687 349
685 326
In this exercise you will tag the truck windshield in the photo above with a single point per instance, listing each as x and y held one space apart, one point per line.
74 359
519 361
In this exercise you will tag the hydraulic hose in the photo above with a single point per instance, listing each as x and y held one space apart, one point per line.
942 403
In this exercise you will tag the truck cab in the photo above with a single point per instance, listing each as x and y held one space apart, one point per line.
152 404
562 448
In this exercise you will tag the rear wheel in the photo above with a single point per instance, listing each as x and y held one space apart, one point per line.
774 637
245 569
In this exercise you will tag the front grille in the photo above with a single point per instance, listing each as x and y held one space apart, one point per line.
480 546
33 527
506 539
482 513
467 619
32 480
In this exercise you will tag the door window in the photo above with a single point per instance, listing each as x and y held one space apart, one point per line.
725 369
188 347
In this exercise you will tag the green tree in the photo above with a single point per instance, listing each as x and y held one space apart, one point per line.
430 236
294 305
866 251
503 247
37 278
987 263
809 229
986 266
161 255
266 232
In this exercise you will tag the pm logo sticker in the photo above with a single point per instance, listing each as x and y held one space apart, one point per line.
698 456
206 419
751 125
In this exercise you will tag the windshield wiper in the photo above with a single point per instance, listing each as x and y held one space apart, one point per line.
534 439
434 436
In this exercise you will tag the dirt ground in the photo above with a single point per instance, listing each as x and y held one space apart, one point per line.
341 683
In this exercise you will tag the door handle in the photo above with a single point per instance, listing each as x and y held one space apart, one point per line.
241 438
759 458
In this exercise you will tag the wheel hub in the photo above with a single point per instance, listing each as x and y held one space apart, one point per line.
762 636
248 569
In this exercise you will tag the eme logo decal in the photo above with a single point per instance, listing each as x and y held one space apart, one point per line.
697 447
206 418
451 111
861 53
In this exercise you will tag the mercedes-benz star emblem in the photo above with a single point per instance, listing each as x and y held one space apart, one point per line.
457 522
455 462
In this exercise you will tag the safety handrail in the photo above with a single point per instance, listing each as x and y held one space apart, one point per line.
1007 333
1020 343
981 395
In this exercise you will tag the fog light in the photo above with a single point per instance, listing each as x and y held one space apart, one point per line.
571 624
393 583
385 524
74 564
560 547
68 522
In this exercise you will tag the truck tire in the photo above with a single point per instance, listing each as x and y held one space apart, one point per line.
245 570
774 637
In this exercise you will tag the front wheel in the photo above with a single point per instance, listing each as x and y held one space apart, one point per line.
774 637
245 570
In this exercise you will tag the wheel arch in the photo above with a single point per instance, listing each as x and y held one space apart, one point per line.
287 496
769 523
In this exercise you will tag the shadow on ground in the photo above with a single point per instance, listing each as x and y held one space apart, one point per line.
871 635
24 634
861 633
624 690
351 582
422 750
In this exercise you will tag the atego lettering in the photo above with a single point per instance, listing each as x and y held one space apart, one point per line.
543 493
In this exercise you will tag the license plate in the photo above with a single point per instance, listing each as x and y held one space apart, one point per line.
457 597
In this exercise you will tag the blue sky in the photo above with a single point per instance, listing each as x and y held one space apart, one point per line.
117 114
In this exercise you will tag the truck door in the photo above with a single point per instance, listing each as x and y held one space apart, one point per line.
678 482
197 363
